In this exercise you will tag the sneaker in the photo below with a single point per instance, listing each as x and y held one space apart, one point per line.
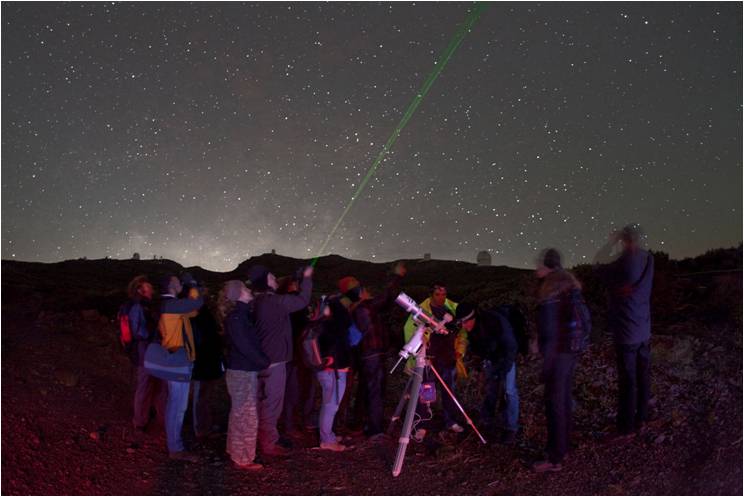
275 450
419 435
251 466
184 456
377 437
454 427
334 446
546 466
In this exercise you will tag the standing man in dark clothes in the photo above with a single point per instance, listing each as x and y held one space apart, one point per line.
374 345
209 363
275 333
629 279
149 390
300 379
557 289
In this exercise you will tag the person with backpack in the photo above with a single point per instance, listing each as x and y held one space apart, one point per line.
374 345
244 360
176 334
494 340
557 294
335 353
272 315
629 280
138 329
209 362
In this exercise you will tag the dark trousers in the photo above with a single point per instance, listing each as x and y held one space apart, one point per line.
300 390
373 378
558 385
149 392
633 366
450 411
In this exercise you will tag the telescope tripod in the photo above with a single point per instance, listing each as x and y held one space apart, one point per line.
411 395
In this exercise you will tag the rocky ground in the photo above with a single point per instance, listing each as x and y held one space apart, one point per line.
66 429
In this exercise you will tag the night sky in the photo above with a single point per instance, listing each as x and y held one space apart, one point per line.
209 133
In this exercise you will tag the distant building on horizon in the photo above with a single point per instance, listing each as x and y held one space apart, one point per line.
484 258
427 256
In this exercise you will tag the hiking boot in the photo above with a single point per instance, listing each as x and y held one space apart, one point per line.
419 435
184 456
334 446
275 450
546 466
251 466
454 427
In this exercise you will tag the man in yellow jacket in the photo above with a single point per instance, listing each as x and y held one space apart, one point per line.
175 333
446 351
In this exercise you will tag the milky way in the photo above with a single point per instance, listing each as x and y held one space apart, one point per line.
208 133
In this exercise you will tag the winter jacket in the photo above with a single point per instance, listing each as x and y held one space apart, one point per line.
334 339
553 315
367 316
174 323
209 360
629 280
493 339
244 346
448 350
273 323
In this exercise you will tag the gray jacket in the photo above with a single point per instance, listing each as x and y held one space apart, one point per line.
274 326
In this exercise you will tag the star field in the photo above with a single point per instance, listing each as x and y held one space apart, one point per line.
211 132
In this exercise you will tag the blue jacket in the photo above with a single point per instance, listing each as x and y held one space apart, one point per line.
244 347
629 280
143 328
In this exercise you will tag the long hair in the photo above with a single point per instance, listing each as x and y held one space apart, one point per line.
135 284
224 307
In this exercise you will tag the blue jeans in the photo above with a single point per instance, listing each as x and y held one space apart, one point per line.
498 390
333 388
175 409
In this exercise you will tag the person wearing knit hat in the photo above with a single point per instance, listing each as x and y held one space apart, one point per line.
244 360
493 339
261 278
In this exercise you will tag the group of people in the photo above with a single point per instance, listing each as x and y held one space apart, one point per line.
261 328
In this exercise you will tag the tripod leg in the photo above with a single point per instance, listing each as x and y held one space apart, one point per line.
405 433
454 399
399 408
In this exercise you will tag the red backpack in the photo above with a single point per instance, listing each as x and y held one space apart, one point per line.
125 332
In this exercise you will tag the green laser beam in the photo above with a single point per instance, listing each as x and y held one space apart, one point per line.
472 17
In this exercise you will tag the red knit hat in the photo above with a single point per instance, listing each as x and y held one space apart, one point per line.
347 283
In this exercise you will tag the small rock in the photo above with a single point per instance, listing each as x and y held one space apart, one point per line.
94 435
660 439
130 450
43 391
67 378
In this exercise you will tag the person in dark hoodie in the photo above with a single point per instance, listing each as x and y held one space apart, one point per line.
245 359
335 351
272 314
554 296
629 280
494 341
149 390
175 333
367 316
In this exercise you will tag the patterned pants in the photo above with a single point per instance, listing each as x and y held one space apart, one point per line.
242 429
